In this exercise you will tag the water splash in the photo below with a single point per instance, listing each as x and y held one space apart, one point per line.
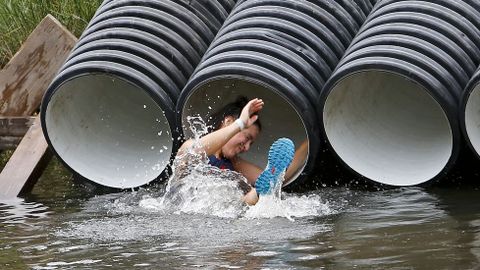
291 206
198 127
198 188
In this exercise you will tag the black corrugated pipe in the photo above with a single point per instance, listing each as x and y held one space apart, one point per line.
109 114
469 113
282 51
390 109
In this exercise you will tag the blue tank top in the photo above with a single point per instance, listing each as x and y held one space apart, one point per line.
220 163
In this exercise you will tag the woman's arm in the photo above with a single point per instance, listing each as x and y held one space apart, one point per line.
212 142
298 160
247 169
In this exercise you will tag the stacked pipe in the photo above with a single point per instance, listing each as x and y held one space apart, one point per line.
469 113
109 114
390 109
282 51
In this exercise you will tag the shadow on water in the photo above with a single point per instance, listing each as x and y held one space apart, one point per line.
401 228
430 227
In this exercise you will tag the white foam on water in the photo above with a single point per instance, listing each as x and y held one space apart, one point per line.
40 247
230 266
127 254
309 258
82 262
36 267
291 206
72 248
303 248
199 194
264 254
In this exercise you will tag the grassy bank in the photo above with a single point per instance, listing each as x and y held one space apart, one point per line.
18 18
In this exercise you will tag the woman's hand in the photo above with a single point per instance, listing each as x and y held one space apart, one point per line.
253 106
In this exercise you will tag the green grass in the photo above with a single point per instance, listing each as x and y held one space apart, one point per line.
4 157
18 18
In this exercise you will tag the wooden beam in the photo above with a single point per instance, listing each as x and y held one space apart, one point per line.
23 83
26 77
26 164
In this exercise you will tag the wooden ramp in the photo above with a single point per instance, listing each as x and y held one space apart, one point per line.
23 82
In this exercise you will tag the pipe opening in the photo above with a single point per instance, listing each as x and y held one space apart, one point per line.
279 118
472 118
388 128
109 131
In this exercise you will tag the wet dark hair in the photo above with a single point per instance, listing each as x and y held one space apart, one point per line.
232 109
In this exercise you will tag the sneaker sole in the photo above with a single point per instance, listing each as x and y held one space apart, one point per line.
280 156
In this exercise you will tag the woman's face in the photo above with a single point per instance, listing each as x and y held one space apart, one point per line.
241 142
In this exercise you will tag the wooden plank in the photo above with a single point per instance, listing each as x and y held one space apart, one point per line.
15 126
23 82
26 77
26 164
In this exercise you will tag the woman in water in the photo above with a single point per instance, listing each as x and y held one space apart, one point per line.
232 131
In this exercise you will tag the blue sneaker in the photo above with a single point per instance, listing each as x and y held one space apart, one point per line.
279 157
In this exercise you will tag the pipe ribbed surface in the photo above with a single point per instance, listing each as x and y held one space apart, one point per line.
390 109
282 51
109 114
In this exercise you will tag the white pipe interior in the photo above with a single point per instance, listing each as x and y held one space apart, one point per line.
278 117
109 131
388 128
472 118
